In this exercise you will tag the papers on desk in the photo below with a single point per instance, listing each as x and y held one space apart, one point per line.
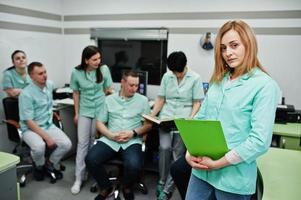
64 90
281 106
66 101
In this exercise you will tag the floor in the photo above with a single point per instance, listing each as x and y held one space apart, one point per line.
61 189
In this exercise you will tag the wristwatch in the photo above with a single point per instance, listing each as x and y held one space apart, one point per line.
135 133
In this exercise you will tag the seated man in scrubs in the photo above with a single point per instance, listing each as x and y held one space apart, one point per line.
121 126
38 130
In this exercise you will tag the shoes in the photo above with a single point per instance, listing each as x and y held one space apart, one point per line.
75 189
58 174
128 195
159 189
164 196
52 172
100 197
38 173
105 193
111 191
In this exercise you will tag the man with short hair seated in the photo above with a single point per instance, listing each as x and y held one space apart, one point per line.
122 135
38 130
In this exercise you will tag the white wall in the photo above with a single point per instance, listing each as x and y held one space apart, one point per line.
281 57
39 46
279 53
62 52
73 46
155 6
43 47
53 6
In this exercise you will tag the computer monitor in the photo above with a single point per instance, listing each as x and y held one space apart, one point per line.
144 55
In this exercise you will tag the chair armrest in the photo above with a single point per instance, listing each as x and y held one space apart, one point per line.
12 122
56 116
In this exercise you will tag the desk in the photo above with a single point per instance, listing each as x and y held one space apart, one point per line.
281 173
290 135
66 110
8 176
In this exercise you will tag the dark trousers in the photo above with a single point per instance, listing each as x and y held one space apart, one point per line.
180 171
100 153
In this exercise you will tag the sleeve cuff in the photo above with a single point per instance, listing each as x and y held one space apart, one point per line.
233 157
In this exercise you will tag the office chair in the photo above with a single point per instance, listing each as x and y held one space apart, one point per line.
115 178
259 187
11 111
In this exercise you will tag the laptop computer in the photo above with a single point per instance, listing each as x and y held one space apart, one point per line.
203 137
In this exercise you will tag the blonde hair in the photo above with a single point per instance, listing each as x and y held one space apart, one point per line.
248 39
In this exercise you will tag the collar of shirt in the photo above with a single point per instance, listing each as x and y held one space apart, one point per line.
122 98
44 89
227 84
187 74
91 75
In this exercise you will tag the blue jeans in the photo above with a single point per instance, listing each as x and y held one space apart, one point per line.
132 163
201 190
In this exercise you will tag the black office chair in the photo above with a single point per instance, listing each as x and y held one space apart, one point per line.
259 187
11 111
115 178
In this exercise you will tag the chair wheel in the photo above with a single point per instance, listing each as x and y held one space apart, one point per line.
52 180
52 177
142 188
22 180
62 167
93 189
144 191
22 184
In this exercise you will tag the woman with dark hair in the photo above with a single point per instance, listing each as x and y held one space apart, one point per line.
243 97
179 97
15 78
90 82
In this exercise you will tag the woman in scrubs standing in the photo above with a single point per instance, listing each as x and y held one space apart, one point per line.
179 97
243 97
90 82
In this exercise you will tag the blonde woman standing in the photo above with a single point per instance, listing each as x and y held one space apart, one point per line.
243 97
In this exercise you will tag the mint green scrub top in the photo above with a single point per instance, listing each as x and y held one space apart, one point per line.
12 79
91 94
123 114
246 108
36 104
180 97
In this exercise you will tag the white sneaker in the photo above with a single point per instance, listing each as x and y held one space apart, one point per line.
75 189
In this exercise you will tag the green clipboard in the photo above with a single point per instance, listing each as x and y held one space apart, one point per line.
203 137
